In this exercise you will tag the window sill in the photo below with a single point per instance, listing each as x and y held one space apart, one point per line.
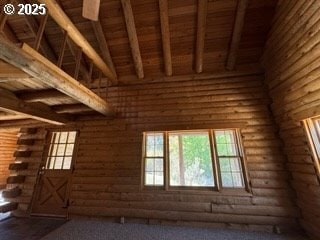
208 191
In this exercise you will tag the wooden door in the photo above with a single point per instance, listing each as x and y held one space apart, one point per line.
52 190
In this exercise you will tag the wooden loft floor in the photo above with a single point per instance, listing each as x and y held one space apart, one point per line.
131 42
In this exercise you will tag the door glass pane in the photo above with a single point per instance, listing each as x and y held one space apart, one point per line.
67 163
61 150
58 163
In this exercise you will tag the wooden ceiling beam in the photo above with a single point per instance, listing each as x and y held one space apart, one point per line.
9 71
64 22
103 44
201 33
43 95
72 108
165 33
133 38
10 103
37 66
237 34
4 116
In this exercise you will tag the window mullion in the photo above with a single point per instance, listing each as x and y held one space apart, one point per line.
214 156
166 160
242 160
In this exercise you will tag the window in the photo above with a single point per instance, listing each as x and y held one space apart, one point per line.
229 158
312 126
61 150
154 155
194 159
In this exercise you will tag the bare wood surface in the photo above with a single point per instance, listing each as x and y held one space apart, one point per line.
39 67
133 39
10 103
63 21
237 34
201 33
165 32
103 44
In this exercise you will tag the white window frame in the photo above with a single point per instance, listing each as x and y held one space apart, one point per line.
215 163
312 129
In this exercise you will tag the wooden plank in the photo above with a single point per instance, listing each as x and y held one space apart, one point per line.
133 39
237 34
43 95
103 45
31 62
40 32
8 71
10 103
91 9
73 49
64 22
201 32
4 116
34 27
165 33
62 49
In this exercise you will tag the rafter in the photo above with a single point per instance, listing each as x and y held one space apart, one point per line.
73 49
237 34
64 22
201 32
10 103
103 44
133 38
34 27
165 33
33 63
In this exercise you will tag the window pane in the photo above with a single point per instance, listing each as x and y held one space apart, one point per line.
67 163
226 179
190 159
154 145
158 178
150 164
231 172
154 171
158 165
226 143
149 178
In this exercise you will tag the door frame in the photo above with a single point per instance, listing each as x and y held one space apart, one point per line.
42 165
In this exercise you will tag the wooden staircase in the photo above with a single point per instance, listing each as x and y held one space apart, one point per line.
10 193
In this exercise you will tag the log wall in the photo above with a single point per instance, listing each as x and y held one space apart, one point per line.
8 145
107 176
292 66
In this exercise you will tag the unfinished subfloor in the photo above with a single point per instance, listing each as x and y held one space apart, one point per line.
100 229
